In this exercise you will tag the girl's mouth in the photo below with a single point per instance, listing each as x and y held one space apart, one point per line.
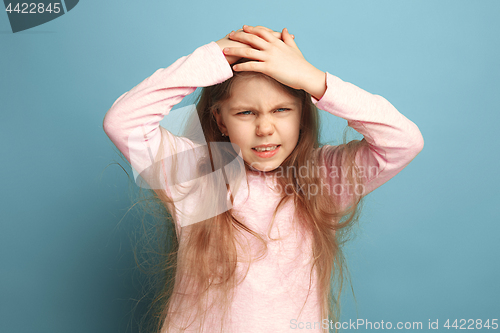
267 151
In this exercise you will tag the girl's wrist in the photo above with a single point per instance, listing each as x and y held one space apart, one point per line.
315 83
222 44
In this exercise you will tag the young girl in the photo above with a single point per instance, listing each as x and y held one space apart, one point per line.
259 207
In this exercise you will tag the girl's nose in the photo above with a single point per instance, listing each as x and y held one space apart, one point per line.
264 127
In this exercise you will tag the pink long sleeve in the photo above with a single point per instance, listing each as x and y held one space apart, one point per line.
141 109
393 140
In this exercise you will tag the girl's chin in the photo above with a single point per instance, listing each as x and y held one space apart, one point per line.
261 167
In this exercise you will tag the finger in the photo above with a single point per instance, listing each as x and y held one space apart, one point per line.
250 66
257 27
263 32
276 34
248 38
244 52
265 28
288 39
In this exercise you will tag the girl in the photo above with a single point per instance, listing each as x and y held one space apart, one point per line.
260 209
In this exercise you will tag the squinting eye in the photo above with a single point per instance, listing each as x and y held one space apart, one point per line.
244 113
282 109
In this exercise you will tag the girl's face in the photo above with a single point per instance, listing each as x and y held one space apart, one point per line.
261 114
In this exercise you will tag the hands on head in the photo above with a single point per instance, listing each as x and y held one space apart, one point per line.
274 54
227 42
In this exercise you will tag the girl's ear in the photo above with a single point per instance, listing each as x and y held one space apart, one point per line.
216 113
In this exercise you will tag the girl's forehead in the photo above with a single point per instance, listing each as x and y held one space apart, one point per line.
259 90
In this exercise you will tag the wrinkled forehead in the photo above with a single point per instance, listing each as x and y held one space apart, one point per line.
253 87
249 76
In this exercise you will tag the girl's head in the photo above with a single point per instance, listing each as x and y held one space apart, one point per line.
252 111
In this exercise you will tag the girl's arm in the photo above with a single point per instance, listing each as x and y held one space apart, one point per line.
132 123
393 140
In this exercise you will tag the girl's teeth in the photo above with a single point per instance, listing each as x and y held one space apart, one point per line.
266 149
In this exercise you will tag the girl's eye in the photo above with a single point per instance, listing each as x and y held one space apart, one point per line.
282 109
245 113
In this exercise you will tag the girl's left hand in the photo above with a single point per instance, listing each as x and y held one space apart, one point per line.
280 59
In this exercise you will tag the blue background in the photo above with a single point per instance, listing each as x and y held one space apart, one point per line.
428 245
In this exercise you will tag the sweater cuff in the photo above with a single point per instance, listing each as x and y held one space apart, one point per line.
219 60
327 96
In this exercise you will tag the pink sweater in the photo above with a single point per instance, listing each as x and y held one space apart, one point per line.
274 292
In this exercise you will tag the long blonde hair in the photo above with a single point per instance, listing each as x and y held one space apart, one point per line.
198 266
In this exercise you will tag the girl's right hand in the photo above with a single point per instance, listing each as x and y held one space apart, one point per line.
226 42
